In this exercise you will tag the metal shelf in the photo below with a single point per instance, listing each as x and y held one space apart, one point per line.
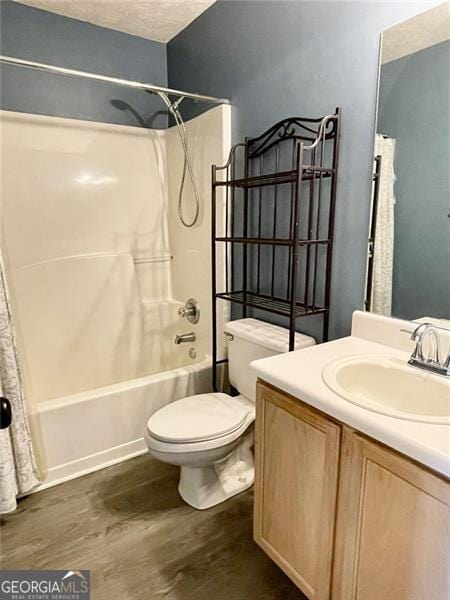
270 241
264 241
308 173
278 306
260 180
276 240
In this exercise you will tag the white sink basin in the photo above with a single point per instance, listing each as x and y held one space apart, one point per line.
388 385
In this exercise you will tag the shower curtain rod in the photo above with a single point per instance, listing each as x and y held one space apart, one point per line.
148 87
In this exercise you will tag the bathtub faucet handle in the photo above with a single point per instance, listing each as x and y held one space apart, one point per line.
191 310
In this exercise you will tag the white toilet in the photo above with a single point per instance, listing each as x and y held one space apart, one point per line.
210 436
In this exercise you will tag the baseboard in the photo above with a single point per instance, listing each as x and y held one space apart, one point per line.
89 464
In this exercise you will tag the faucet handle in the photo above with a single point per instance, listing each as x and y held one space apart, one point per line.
190 311
419 330
410 331
447 362
416 336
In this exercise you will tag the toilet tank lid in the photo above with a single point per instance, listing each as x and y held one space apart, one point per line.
267 335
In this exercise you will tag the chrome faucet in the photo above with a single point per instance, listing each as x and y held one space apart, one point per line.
185 337
431 363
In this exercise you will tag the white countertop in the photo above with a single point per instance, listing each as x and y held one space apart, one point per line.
299 373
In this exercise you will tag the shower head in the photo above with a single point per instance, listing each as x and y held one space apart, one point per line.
120 104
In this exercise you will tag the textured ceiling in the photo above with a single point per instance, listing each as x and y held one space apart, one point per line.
158 20
422 31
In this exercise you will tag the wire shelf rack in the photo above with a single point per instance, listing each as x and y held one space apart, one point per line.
273 207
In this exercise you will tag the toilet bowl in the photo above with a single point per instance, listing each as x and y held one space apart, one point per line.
210 436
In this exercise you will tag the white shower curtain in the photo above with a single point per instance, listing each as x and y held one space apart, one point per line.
381 300
18 469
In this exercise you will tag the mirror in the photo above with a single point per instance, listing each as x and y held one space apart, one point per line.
408 273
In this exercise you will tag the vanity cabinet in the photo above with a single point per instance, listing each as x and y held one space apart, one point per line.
392 526
343 516
297 459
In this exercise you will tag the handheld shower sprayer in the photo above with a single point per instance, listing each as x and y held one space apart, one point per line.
173 109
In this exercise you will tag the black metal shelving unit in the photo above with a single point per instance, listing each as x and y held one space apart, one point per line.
273 206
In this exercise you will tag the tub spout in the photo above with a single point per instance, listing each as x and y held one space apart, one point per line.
185 337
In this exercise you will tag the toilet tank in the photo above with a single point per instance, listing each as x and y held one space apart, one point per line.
251 339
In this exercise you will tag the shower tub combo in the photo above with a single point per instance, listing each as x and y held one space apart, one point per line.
99 264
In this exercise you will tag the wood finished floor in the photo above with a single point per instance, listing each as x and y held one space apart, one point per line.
128 525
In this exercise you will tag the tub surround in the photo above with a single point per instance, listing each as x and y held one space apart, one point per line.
98 261
209 140
300 374
72 239
99 265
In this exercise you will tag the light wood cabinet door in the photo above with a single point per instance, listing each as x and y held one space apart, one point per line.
392 527
297 454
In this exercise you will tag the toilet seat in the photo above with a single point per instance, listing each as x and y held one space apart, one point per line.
200 422
197 419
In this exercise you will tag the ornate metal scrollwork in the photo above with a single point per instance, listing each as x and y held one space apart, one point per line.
295 128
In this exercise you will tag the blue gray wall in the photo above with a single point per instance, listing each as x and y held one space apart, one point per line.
272 59
414 110
277 59
42 36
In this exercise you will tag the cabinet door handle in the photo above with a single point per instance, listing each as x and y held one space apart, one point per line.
5 413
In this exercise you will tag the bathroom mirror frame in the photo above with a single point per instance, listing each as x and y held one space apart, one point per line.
441 14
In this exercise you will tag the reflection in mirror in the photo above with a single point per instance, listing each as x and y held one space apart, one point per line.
409 245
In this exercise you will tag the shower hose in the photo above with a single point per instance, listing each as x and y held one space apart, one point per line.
187 165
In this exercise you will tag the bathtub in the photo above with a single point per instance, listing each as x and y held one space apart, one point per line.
91 430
